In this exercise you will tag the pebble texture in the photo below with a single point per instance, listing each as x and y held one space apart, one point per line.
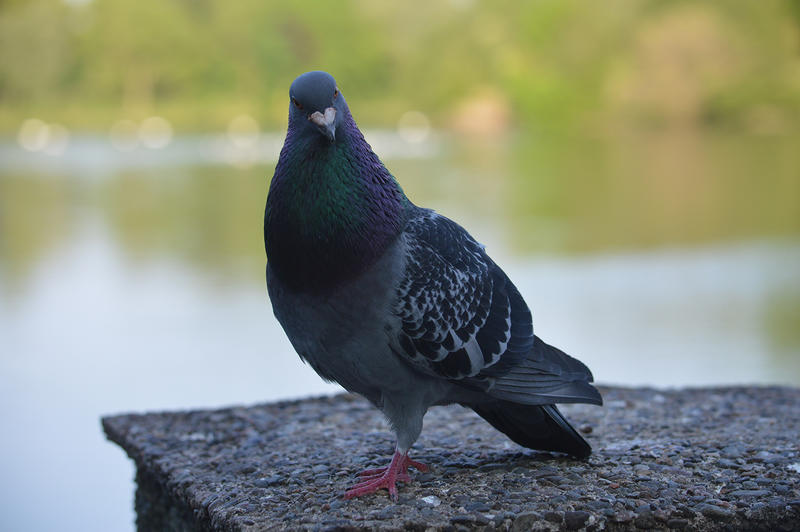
698 459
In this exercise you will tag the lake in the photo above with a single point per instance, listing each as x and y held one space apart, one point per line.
131 279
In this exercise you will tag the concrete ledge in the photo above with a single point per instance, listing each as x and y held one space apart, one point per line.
700 459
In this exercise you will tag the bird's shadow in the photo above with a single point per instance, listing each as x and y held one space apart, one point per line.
495 460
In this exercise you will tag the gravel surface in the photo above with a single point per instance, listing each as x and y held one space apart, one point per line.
698 459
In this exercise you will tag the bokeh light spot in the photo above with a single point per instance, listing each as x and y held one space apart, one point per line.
123 135
244 134
414 127
155 132
243 131
33 134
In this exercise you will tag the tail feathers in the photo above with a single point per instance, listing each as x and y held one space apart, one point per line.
568 392
547 355
536 427
546 375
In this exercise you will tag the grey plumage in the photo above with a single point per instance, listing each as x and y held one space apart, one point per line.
427 318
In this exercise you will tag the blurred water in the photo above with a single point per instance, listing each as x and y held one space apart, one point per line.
134 281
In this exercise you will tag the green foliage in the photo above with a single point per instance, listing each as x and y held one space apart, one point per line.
553 63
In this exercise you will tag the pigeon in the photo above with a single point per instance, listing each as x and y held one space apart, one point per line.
398 303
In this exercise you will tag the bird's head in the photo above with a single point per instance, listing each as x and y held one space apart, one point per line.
316 105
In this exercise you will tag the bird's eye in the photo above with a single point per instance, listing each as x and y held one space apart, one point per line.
297 104
335 93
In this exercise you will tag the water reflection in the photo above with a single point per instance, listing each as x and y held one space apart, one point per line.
675 188
522 195
135 281
37 216
207 218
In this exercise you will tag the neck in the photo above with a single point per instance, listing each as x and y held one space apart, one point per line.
332 209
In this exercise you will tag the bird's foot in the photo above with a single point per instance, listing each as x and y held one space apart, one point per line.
385 477
408 462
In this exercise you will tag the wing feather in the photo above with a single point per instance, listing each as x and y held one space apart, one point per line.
462 319
458 311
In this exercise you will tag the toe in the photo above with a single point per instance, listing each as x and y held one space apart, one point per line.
372 472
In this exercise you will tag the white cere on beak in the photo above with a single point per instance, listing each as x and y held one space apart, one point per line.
325 120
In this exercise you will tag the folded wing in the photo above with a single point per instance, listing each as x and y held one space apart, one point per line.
463 320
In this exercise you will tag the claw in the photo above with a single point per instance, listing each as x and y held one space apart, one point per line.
385 477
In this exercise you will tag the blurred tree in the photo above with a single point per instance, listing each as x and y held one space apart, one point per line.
552 63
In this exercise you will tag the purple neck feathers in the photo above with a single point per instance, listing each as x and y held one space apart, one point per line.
332 210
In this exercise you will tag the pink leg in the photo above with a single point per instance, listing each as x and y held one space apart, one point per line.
385 477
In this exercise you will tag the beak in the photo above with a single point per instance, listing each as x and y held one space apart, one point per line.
325 122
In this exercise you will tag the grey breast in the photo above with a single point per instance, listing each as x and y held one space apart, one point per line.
345 334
